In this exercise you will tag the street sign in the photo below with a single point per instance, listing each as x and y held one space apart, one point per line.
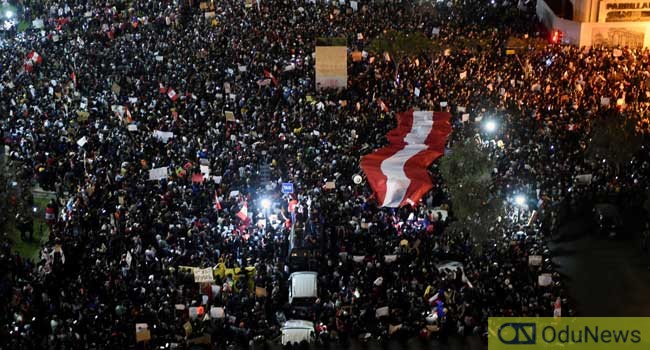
287 187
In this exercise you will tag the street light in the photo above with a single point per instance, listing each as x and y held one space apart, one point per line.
490 126
9 14
520 199
266 204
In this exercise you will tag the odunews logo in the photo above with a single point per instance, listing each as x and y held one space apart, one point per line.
578 333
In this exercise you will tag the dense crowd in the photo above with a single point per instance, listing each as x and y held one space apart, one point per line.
84 121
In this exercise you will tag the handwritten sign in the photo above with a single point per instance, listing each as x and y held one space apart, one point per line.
203 275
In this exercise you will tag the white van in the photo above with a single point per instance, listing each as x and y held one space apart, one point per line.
296 331
303 287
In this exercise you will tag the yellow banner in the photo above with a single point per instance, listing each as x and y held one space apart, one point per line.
569 333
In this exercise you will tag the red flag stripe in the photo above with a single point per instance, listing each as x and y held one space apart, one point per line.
398 173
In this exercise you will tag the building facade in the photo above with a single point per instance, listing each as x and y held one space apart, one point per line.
613 23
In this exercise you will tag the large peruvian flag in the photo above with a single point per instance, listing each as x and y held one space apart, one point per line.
398 172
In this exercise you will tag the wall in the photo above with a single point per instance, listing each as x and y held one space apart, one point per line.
632 34
571 29
585 10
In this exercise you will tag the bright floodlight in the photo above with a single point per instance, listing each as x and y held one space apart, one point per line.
520 199
490 126
266 203
9 14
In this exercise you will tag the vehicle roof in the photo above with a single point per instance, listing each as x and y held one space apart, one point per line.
298 324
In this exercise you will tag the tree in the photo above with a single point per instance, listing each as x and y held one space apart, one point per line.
467 175
400 45
614 140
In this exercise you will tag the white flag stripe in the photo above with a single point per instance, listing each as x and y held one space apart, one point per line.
393 167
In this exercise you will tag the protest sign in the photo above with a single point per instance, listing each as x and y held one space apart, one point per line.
604 101
330 185
584 179
230 116
197 178
203 275
158 173
163 136
142 333
82 116
331 67
390 258
545 279
260 292
287 187
132 127
534 260
82 141
217 312
463 75
382 311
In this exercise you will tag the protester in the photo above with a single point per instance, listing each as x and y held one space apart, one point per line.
103 95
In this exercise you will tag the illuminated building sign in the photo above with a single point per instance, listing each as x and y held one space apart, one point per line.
616 11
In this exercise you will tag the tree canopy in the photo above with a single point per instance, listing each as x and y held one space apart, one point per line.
402 44
614 139
467 172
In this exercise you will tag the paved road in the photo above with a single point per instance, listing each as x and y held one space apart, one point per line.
605 277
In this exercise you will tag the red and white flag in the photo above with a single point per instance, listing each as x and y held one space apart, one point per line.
34 57
172 94
162 88
398 173
129 118
217 204
73 77
243 213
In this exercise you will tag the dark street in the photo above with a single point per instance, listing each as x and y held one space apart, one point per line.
605 277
